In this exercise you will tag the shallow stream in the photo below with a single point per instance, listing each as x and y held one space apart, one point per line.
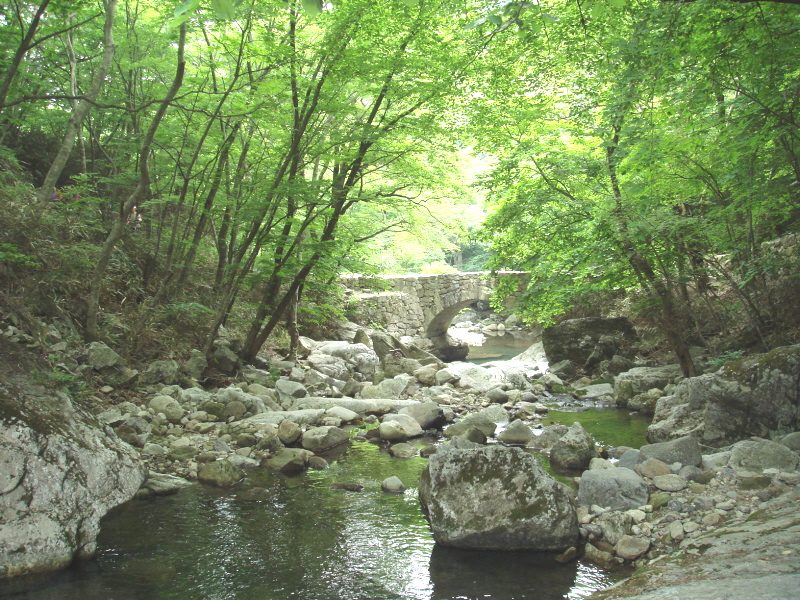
297 538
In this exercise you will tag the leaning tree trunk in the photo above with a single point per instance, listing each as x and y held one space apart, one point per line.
139 194
83 107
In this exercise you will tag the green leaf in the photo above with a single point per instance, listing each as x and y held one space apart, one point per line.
313 7
177 21
224 9
617 3
476 24
186 8
496 20
411 3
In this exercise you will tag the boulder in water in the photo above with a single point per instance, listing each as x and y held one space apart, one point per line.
496 498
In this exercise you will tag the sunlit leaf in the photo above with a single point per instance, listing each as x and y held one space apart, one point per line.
224 9
186 8
313 7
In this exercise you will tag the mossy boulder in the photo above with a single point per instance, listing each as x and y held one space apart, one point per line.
757 396
496 498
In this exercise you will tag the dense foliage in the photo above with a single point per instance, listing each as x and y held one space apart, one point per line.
194 160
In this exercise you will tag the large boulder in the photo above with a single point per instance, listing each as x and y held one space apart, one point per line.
221 473
475 420
576 339
496 498
169 407
574 450
642 379
388 388
61 471
101 357
429 415
358 357
319 439
758 455
617 489
755 396
684 450
399 428
167 372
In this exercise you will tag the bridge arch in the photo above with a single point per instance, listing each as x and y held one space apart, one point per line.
424 305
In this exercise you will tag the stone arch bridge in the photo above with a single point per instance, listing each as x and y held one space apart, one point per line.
424 305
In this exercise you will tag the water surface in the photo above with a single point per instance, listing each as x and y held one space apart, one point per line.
277 538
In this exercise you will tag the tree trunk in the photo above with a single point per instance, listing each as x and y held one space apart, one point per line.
137 197
83 107
22 50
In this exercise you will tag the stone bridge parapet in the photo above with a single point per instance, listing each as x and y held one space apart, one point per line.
423 305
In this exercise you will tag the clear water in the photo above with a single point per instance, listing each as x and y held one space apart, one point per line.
499 347
278 538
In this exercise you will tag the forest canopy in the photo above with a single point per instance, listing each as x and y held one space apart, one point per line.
237 155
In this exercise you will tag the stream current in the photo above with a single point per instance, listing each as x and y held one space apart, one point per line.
276 538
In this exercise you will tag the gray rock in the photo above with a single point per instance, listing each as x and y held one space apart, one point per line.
716 460
550 435
630 459
60 473
345 415
445 375
161 371
615 525
235 410
683 450
135 431
757 456
574 450
358 357
319 439
498 395
220 473
516 434
290 390
393 485
577 339
496 414
792 441
618 489
193 396
495 498
399 428
169 406
640 380
154 450
652 467
427 374
474 420
670 483
162 484
429 415
403 450
196 365
754 396
289 432
225 360
631 547
243 462
388 388
289 461
101 357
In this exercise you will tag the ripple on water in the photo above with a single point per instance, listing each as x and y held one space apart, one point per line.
301 541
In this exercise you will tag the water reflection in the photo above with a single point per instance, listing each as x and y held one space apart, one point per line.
474 575
306 541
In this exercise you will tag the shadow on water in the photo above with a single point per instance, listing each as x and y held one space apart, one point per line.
271 541
475 574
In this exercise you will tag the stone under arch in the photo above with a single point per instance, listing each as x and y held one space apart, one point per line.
425 305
